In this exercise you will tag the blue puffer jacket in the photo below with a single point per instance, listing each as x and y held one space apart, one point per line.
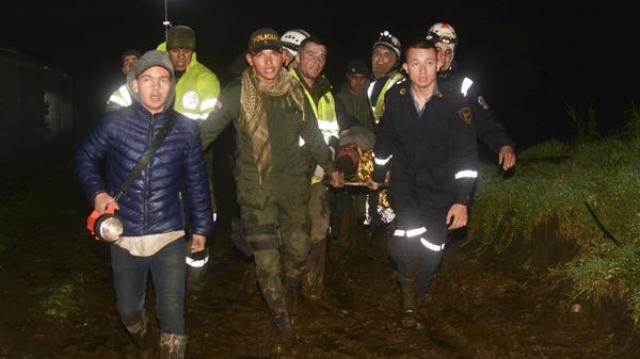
173 181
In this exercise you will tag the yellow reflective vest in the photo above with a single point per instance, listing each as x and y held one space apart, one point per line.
197 90
119 98
378 107
325 112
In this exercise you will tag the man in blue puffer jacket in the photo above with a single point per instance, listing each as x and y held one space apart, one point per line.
151 210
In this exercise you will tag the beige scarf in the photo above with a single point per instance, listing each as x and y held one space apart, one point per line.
253 115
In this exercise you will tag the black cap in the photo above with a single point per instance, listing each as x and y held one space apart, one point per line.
263 39
357 67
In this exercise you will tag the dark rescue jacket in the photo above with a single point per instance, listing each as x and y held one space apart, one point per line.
171 188
433 156
486 123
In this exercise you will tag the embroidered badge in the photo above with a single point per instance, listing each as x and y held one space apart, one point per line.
190 100
465 115
483 103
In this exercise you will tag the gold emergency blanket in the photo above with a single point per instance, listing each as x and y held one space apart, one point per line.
362 175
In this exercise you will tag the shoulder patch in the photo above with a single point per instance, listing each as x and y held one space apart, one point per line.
465 115
483 103
190 100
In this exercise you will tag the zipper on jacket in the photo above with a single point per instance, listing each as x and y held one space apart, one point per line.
146 178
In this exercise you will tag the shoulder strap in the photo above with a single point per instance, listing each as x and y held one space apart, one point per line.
146 156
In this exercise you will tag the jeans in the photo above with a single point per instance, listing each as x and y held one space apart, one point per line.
168 272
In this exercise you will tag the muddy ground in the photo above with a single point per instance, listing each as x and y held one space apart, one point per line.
56 298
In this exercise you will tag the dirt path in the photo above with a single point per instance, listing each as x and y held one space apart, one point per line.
57 300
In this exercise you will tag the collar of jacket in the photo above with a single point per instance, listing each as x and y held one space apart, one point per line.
143 113
406 86
445 74
394 70
320 87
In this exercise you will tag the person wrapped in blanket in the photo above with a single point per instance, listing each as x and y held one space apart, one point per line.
354 158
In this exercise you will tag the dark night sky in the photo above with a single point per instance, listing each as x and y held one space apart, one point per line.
529 57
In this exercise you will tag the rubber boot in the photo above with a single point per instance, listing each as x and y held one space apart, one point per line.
292 297
312 283
144 338
172 346
409 304
282 336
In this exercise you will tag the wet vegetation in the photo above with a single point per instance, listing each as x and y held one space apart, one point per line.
539 219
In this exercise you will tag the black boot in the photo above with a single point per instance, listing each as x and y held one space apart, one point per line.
291 287
144 338
409 304
282 336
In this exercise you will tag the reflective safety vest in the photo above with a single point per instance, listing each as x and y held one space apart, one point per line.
378 107
120 97
325 112
197 90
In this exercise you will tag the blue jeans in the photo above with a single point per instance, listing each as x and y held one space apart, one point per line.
168 272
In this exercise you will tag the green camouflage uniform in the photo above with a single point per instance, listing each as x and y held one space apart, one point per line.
274 214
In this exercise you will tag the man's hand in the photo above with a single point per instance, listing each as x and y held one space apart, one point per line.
374 186
197 243
337 180
506 157
101 201
457 216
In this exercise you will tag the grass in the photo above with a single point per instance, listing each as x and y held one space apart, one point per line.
59 301
555 179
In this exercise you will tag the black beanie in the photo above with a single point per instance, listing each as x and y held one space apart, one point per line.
181 37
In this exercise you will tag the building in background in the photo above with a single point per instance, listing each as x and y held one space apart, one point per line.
36 104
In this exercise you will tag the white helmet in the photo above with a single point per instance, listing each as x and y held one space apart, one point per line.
443 35
390 41
293 38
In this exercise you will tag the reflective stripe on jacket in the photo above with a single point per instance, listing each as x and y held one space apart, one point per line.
119 98
325 112
378 107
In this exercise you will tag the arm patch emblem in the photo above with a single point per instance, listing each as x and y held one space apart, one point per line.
465 115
